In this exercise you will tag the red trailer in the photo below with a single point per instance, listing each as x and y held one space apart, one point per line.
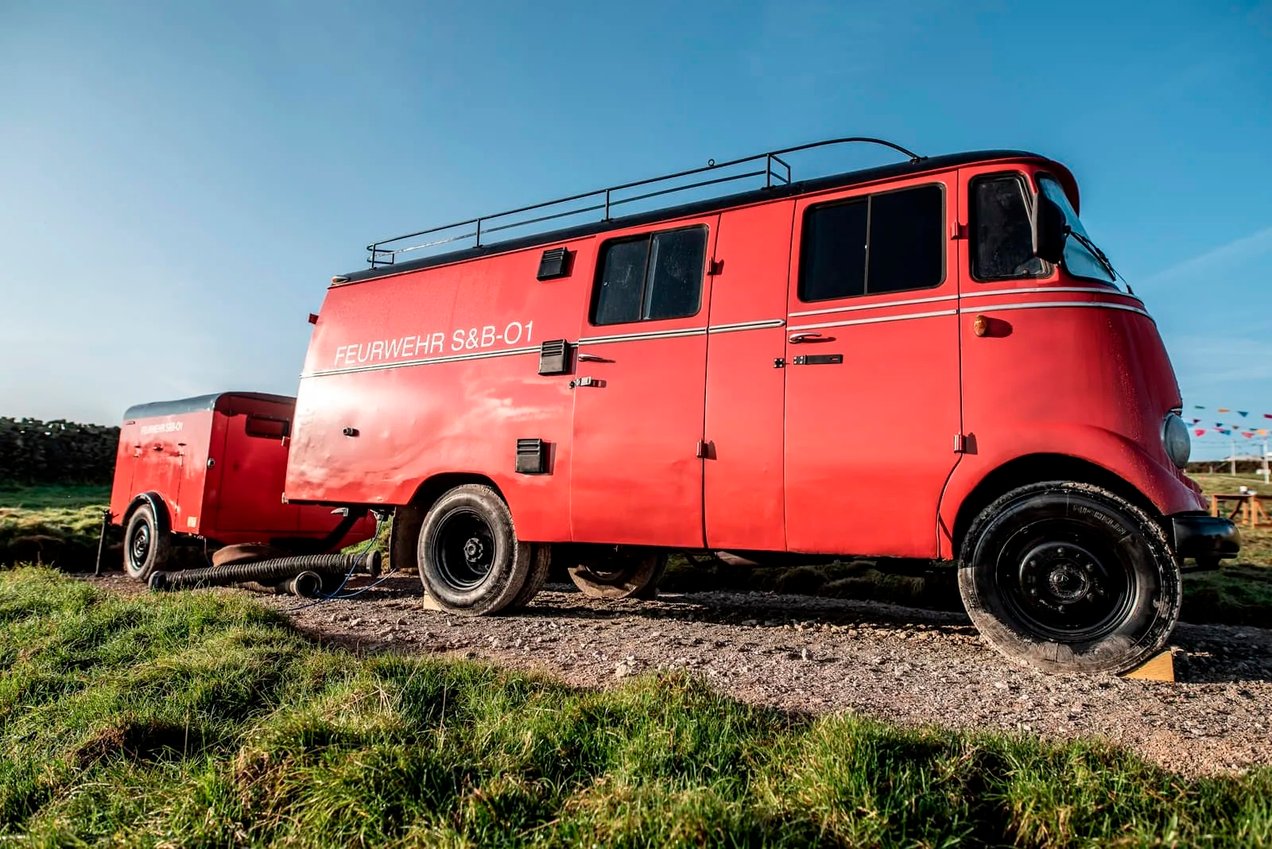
211 469
923 360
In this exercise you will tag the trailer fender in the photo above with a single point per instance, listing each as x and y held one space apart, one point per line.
162 517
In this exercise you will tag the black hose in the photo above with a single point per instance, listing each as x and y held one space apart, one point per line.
271 571
304 585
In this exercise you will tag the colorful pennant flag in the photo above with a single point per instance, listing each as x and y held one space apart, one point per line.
1201 431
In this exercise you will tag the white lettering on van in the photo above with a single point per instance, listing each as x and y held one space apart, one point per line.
162 427
462 340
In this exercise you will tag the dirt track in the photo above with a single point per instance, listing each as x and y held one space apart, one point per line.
823 655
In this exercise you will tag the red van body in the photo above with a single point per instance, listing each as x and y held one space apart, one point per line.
682 433
213 467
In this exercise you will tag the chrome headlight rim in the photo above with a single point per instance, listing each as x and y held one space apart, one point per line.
1176 440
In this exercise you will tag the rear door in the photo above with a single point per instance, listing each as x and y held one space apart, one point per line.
639 385
872 368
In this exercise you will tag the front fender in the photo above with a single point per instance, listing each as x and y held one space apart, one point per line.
1160 484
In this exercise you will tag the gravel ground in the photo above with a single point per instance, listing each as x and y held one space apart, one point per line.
814 655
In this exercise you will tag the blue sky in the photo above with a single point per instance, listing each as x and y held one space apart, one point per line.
179 180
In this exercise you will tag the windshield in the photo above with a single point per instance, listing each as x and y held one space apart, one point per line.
1081 256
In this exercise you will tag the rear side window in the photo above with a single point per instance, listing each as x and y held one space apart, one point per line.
267 427
654 276
891 242
1002 247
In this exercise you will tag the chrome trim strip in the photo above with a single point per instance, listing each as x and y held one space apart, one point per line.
880 320
1052 304
428 361
654 334
746 325
857 307
1035 290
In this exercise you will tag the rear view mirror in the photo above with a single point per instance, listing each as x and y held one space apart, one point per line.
1049 229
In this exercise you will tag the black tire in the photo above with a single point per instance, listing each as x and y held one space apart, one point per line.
147 546
620 572
540 564
1069 577
469 559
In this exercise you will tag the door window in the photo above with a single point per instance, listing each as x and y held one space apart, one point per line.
1002 245
890 242
652 276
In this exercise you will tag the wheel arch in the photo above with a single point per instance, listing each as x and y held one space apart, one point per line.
408 518
163 518
1033 468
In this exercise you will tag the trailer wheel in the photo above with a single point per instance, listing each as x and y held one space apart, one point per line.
1069 577
621 572
146 545
469 558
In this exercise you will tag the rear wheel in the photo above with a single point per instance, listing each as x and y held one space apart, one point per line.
1069 577
469 558
618 572
147 545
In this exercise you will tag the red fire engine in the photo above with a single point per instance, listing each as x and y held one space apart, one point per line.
930 359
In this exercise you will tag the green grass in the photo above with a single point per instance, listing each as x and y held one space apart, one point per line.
51 524
203 720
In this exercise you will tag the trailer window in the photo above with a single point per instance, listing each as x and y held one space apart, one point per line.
891 242
654 276
267 427
1002 247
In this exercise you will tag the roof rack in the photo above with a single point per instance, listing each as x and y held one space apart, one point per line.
775 171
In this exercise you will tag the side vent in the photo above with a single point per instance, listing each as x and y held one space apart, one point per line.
532 457
554 357
554 263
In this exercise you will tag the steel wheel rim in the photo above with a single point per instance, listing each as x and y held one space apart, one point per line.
465 549
1064 580
139 545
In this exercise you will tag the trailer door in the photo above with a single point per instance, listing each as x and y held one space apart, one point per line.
872 368
639 385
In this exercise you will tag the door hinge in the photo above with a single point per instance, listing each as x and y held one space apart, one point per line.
716 267
958 231
705 450
960 443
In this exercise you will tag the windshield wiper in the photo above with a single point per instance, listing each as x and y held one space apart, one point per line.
1095 251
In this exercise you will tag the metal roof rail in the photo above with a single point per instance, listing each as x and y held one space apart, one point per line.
775 171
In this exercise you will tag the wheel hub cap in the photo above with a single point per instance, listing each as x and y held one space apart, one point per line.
474 550
1059 575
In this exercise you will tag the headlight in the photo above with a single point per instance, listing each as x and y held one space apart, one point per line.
1176 440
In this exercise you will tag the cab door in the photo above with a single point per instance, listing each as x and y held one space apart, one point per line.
639 386
872 368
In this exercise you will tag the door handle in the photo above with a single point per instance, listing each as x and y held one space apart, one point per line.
797 338
593 358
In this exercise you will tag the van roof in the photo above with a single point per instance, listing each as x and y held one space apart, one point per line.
215 401
912 167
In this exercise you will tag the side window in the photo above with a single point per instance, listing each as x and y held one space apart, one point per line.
1002 247
891 242
267 427
657 275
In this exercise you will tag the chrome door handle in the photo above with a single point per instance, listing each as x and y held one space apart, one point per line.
796 338
593 358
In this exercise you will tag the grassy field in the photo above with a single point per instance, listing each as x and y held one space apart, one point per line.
203 720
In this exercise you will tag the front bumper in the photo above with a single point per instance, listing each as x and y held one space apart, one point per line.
1205 538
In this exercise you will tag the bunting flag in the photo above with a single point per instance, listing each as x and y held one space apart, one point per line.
1225 432
1247 433
1222 410
1244 413
1201 431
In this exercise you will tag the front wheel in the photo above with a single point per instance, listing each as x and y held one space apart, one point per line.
469 558
1070 577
